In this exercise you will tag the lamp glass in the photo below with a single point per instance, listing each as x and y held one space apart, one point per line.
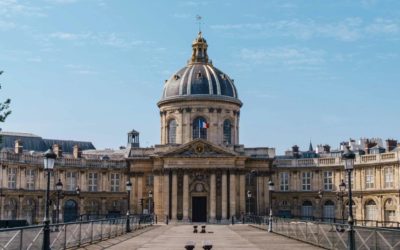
150 194
59 185
128 186
271 186
348 164
342 186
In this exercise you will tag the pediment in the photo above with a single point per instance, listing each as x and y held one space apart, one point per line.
200 148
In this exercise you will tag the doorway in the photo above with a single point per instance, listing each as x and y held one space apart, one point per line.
70 211
199 209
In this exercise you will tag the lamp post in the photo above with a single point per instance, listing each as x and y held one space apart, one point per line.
254 173
150 199
49 160
248 201
318 199
348 158
128 189
271 189
340 195
78 193
59 187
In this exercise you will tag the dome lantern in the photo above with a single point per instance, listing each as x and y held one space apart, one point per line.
199 46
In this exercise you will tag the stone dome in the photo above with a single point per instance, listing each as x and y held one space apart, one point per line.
199 79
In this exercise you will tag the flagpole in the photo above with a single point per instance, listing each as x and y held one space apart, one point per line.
199 128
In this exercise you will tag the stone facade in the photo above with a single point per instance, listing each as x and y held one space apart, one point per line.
375 188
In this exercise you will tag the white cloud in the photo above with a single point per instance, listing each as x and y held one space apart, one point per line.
384 26
11 8
348 29
62 1
106 39
7 25
284 56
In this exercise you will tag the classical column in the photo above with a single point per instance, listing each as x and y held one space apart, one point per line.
185 196
242 195
224 195
232 194
166 194
212 197
174 199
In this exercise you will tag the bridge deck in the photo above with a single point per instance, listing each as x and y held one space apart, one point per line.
174 237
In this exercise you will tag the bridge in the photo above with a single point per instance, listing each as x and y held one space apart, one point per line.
113 233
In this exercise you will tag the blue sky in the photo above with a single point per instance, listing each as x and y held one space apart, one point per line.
94 69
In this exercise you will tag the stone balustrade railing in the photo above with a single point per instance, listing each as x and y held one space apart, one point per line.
61 162
336 161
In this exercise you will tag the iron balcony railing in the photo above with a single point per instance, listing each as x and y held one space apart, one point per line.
70 235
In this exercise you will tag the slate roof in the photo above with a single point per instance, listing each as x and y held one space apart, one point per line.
32 142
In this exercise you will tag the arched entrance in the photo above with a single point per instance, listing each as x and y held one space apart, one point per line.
307 210
370 211
328 211
30 211
70 211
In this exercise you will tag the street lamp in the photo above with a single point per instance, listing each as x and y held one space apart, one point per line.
255 173
318 199
150 199
340 195
348 158
271 189
128 189
59 187
49 160
248 201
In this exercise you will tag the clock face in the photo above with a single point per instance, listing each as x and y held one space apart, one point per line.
199 187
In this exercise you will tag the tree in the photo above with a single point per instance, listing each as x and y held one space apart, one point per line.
4 108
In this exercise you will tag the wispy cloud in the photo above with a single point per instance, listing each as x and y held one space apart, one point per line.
348 29
7 25
292 57
62 1
106 39
11 8
81 69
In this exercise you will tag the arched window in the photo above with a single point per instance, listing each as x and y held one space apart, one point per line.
227 132
370 210
307 210
10 209
172 131
200 126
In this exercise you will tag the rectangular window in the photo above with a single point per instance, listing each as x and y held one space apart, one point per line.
328 180
71 179
284 181
115 182
12 178
346 179
369 178
306 181
388 176
149 180
93 182
30 179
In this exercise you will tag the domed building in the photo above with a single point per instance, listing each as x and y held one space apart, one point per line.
199 172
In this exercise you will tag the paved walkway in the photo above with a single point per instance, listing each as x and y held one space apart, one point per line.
174 237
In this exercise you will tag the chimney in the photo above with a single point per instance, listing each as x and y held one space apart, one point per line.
391 144
369 145
77 152
57 150
18 147
327 148
295 150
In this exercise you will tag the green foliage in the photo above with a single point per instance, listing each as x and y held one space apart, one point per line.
4 108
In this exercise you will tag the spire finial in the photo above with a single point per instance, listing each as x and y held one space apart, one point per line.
198 18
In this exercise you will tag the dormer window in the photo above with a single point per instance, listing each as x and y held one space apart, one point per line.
176 77
199 75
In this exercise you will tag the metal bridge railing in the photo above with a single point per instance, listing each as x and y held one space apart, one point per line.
68 235
335 235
